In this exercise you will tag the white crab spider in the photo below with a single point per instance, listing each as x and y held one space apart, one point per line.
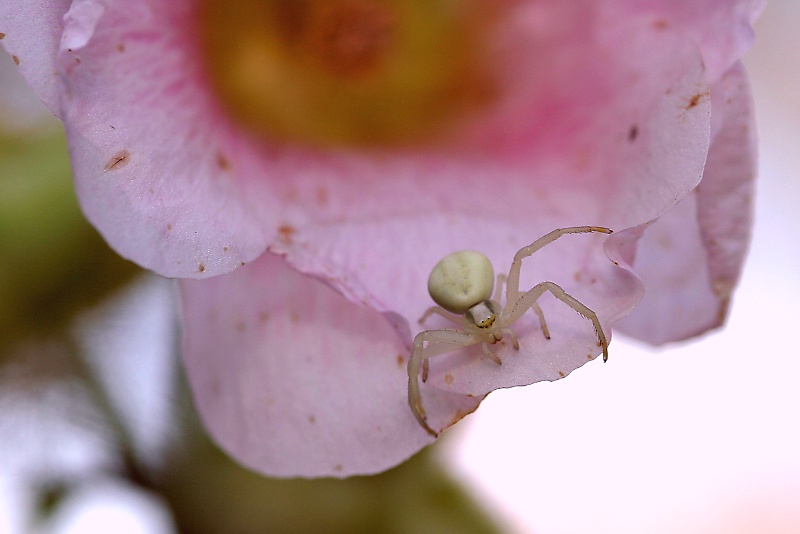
461 284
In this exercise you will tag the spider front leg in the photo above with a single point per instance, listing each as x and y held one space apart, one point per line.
512 287
438 342
438 310
501 279
530 297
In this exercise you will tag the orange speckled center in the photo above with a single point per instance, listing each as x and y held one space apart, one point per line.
350 72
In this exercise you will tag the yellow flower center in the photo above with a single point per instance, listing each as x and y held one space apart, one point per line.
350 72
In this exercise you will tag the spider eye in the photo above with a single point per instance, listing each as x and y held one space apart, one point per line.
461 280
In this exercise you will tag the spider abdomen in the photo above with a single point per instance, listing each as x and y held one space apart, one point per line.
461 280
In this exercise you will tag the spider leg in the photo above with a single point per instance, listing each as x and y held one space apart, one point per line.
501 278
438 310
438 342
530 297
498 289
538 311
512 283
513 337
489 354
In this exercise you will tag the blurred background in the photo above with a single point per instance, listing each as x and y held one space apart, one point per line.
97 431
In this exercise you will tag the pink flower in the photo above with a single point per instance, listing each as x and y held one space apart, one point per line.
323 158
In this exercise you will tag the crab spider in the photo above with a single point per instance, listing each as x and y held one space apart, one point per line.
462 284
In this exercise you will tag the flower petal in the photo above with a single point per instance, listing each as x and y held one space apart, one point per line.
174 184
722 28
691 258
643 148
619 170
157 169
31 30
294 380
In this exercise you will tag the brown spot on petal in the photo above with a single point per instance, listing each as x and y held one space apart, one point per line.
448 379
223 162
633 133
16 59
561 374
695 100
294 316
338 468
121 47
660 24
201 268
285 233
263 317
312 419
400 360
118 160
2 35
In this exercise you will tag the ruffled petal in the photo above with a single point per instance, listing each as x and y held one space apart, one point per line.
691 258
294 380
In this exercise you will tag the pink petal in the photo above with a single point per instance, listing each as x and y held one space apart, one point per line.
722 28
32 30
629 161
174 185
294 380
157 168
691 258
383 259
605 121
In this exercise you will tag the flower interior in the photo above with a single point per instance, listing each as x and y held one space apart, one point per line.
350 72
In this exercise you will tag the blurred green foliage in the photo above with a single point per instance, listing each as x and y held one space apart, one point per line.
52 262
209 493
